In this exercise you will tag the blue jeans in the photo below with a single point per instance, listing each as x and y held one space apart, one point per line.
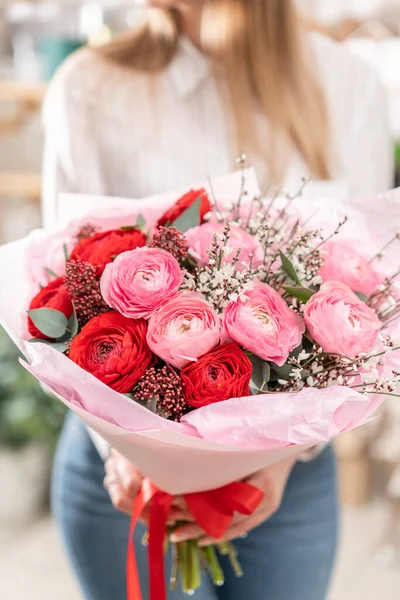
289 557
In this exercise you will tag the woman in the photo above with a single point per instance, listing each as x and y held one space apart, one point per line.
158 109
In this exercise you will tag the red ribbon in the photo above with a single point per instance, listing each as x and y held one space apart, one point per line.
213 511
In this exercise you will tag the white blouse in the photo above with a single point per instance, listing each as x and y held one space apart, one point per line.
114 132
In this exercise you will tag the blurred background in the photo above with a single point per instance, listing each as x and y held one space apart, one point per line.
35 37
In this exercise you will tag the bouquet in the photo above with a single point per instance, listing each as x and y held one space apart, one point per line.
217 329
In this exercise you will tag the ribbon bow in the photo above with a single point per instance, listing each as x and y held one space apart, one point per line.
213 511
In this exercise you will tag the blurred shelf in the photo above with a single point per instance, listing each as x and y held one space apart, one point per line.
15 91
27 99
26 185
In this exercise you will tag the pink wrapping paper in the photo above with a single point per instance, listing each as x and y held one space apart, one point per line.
212 446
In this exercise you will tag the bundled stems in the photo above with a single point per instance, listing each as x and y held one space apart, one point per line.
187 558
194 575
210 558
188 566
229 550
173 580
182 555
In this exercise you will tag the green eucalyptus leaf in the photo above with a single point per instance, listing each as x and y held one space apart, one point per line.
73 325
140 222
295 353
66 254
282 372
128 227
266 372
300 293
190 218
51 273
363 297
59 346
52 323
153 405
261 373
289 268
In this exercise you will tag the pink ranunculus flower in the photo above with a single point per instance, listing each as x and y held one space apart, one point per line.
200 241
340 322
140 281
184 329
344 263
264 324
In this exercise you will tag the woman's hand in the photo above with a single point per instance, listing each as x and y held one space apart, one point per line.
272 481
122 481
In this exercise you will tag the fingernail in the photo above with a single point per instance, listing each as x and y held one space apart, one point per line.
175 538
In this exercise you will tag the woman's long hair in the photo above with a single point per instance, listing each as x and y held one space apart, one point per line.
262 48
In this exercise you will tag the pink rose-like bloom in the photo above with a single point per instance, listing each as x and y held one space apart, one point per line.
140 281
344 263
340 322
184 329
200 240
264 324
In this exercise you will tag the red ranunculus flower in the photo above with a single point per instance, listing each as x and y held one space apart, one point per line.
182 204
223 373
113 349
101 248
55 296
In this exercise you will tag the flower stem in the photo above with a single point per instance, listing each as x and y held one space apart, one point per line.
193 566
229 550
182 550
211 559
223 548
235 564
173 580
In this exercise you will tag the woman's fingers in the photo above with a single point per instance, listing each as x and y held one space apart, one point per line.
187 532
180 516
110 468
122 481
179 510
119 498
237 530
179 502
129 478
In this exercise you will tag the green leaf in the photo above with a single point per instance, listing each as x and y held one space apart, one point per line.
301 293
281 372
153 405
285 371
295 353
66 252
49 321
140 222
363 297
289 268
73 325
266 373
190 218
128 227
59 346
261 373
51 273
